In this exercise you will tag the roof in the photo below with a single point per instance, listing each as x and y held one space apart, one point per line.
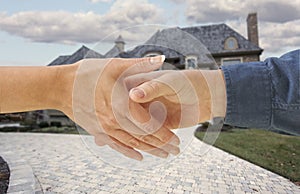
198 40
174 43
113 52
83 52
59 60
214 36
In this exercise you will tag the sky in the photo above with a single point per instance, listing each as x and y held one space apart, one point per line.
34 32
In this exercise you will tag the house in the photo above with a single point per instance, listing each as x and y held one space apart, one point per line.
204 47
197 47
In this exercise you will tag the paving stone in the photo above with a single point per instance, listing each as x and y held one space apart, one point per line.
63 164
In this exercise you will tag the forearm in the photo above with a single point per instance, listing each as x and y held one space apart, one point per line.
265 94
35 88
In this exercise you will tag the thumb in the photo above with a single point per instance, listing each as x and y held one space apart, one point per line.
150 90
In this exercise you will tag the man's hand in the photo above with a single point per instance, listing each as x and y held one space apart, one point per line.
187 96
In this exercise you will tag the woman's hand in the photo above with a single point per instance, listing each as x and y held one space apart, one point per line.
100 104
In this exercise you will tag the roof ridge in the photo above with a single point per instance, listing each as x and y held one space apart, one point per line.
200 26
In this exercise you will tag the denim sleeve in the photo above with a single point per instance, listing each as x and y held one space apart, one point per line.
265 94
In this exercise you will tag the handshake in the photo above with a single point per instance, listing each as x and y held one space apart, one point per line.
123 103
127 105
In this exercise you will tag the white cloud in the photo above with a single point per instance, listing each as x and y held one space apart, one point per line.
274 38
278 20
220 10
67 27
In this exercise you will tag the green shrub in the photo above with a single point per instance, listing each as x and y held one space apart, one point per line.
15 129
43 124
55 124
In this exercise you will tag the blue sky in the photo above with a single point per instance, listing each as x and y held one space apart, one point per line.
34 32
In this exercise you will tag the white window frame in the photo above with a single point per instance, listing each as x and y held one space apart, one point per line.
236 45
191 57
231 59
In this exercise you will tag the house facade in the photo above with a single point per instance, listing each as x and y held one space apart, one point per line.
198 47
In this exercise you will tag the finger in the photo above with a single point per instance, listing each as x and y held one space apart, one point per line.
132 142
166 135
151 125
150 90
152 140
135 137
142 65
126 150
102 139
154 132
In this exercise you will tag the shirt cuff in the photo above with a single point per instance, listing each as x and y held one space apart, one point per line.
248 89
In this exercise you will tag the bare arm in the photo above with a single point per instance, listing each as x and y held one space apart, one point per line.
35 88
95 81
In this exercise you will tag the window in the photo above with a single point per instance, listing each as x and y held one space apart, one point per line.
231 43
231 61
191 62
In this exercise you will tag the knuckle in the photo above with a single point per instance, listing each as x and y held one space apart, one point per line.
110 121
133 143
146 138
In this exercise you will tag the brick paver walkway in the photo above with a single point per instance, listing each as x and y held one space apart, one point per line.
61 164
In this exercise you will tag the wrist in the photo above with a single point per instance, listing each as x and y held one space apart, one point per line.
216 84
202 90
211 91
63 90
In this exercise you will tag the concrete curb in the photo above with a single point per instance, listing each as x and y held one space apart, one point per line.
21 179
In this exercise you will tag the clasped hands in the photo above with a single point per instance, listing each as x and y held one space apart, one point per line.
128 106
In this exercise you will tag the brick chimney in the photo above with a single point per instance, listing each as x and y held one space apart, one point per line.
252 28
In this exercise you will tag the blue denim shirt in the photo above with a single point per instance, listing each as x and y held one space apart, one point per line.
265 94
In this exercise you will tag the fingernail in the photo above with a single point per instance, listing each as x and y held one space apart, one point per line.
134 156
138 158
175 141
157 59
175 151
138 92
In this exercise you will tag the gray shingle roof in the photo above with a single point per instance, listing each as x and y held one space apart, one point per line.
81 53
174 43
59 60
214 36
195 40
113 52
